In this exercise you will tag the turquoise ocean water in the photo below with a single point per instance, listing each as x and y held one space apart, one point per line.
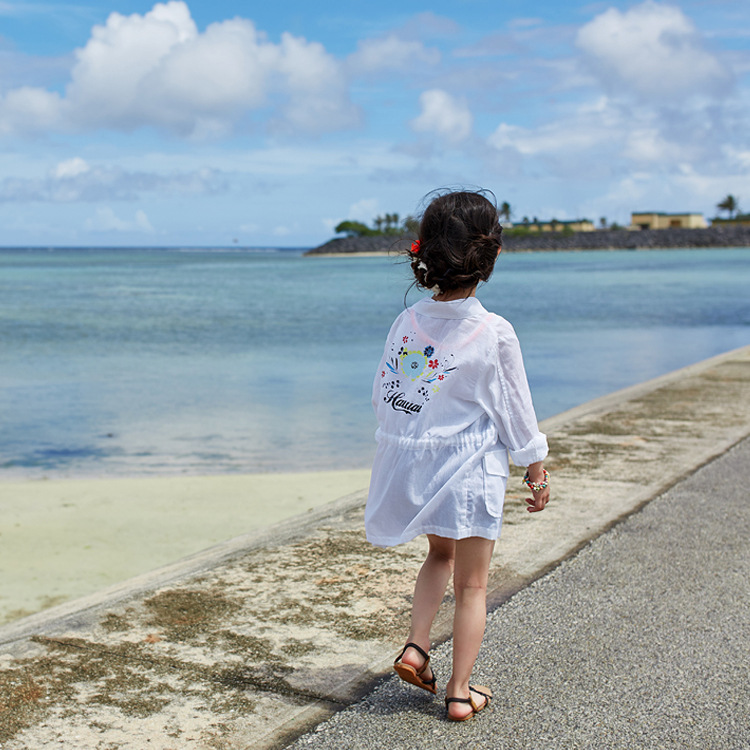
124 362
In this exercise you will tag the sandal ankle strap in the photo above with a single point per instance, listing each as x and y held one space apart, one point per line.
416 648
469 700
457 700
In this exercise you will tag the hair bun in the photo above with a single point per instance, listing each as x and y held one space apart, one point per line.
459 238
486 241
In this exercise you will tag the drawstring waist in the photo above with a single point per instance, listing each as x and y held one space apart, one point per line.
466 439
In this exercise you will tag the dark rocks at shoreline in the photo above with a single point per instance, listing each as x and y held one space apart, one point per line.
608 239
624 239
351 245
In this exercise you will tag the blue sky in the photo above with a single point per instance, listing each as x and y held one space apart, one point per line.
205 123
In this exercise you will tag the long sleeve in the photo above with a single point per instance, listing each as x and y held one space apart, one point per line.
509 401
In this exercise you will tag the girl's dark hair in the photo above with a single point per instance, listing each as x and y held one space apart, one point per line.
459 237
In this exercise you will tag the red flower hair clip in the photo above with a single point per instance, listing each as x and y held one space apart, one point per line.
415 247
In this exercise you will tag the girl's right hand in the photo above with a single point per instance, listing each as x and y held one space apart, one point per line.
537 475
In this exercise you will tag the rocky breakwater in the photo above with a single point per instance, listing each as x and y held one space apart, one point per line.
386 243
624 239
610 239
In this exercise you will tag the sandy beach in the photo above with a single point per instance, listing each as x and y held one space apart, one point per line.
62 539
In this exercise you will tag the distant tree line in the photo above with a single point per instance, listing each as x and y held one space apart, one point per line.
388 224
392 225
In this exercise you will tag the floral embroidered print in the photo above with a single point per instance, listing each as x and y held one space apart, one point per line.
414 365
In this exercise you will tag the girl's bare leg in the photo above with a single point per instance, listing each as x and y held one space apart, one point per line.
428 595
472 564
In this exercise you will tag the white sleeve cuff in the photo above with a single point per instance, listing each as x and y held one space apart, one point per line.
535 450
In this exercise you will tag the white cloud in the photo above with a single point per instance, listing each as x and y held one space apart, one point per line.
686 190
70 168
651 50
738 157
647 145
656 115
574 134
525 23
158 70
106 220
317 99
363 210
445 115
74 180
29 109
391 53
608 135
553 138
142 222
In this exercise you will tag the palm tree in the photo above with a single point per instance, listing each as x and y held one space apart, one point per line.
729 204
504 210
411 225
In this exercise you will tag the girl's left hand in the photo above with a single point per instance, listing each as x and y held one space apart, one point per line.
539 501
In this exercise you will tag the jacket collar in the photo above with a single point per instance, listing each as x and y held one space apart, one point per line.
470 307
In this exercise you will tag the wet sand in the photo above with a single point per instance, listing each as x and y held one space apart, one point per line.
62 539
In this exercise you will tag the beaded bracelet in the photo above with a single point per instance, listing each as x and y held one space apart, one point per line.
533 486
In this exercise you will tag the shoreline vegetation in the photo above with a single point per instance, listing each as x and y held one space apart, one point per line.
600 239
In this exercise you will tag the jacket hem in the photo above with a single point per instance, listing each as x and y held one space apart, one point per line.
393 541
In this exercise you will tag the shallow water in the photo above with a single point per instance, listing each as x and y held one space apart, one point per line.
154 361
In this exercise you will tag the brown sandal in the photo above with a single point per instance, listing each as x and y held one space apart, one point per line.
414 676
475 709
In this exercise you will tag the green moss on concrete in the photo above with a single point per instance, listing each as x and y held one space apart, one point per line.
183 612
115 623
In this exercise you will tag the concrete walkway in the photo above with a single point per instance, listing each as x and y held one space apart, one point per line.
254 642
640 641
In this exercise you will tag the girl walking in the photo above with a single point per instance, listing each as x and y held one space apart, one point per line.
452 401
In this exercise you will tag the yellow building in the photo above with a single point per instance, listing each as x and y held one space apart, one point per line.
576 225
658 220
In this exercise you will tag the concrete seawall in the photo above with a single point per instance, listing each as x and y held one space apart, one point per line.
257 639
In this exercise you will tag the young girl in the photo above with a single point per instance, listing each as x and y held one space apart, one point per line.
452 400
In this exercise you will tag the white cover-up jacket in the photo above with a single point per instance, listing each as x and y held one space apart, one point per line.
452 400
